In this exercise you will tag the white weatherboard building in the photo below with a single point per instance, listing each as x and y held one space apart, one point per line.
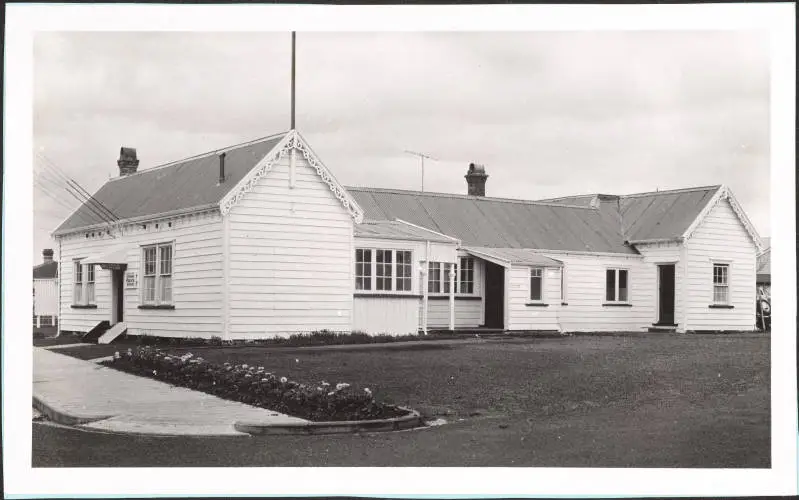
260 240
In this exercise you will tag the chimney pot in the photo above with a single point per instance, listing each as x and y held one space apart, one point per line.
476 179
47 255
128 163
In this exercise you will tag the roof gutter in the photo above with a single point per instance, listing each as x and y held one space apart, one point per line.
133 220
655 240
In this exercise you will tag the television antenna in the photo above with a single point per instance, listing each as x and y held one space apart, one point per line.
422 157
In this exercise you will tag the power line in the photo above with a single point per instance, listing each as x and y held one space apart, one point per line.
74 184
77 195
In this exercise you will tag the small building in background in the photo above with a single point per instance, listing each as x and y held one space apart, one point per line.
45 291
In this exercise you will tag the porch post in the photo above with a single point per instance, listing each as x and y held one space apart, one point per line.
452 297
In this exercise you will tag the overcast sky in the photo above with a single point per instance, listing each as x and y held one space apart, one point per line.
548 113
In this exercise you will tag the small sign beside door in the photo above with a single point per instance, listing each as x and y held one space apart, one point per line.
131 279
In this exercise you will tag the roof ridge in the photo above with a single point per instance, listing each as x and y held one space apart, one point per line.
201 155
461 196
669 191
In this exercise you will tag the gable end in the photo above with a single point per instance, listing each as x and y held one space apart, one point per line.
292 141
725 194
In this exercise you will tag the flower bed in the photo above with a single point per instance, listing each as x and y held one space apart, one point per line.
255 386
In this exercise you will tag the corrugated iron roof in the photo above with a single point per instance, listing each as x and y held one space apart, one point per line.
663 214
499 222
397 230
517 256
46 270
182 185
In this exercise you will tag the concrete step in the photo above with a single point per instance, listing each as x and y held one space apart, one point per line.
112 333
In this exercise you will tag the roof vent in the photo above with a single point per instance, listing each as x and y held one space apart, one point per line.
221 168
476 180
127 162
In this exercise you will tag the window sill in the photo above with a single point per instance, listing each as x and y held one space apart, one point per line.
564 303
381 295
617 304
720 306
536 304
83 306
457 297
154 306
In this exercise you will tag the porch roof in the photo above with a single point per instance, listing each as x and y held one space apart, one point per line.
113 256
513 256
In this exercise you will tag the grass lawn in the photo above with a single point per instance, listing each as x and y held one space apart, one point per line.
50 339
646 401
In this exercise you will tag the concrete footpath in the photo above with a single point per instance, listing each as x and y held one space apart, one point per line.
84 394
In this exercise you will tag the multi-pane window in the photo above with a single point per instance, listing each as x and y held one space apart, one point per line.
391 269
434 277
165 273
363 269
616 285
90 284
404 270
721 284
383 269
77 292
537 283
466 275
157 274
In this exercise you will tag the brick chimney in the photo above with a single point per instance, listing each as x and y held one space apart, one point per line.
128 163
476 180
47 255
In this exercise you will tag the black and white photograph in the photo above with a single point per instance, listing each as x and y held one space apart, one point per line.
532 251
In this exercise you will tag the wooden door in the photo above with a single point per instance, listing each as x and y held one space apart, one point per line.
666 294
494 296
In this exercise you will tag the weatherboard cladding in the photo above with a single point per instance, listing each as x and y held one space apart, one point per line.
182 185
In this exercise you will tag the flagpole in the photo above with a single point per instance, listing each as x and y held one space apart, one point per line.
293 73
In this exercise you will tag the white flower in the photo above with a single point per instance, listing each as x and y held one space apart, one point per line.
245 366
155 372
325 384
330 393
116 355
283 380
296 360
261 368
367 391
341 385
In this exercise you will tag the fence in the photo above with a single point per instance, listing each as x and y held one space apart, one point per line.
45 302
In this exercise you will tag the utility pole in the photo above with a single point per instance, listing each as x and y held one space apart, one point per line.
422 157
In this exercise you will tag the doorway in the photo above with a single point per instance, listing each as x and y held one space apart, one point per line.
666 294
117 296
494 296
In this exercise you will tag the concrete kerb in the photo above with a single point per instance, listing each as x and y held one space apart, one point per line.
411 420
63 417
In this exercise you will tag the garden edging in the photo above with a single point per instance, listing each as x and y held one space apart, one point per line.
411 420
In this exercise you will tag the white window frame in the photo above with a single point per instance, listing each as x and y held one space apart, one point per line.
564 284
77 284
617 276
542 272
90 271
461 270
371 266
443 281
363 281
725 286
157 300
